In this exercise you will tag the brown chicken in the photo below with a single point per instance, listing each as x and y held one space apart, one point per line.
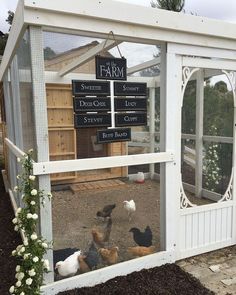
141 251
101 236
83 266
110 255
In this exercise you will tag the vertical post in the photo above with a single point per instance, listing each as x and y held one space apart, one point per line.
199 132
112 104
234 174
41 132
152 127
162 146
171 141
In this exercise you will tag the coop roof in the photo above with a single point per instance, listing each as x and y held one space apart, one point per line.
128 22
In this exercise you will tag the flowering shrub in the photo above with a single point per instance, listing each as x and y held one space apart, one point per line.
32 266
211 163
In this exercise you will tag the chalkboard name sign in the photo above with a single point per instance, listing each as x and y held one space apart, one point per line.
130 89
110 68
90 88
113 135
130 104
92 120
132 119
87 104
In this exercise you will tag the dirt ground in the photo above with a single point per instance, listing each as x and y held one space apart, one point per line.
74 215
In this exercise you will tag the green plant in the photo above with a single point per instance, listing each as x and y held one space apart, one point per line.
32 266
212 165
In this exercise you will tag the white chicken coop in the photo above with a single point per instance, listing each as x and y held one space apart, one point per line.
190 56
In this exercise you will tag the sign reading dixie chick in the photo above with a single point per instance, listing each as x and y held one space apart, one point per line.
110 68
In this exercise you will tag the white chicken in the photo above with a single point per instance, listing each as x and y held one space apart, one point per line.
69 266
130 207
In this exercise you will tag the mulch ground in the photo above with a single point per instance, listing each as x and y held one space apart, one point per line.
167 279
9 240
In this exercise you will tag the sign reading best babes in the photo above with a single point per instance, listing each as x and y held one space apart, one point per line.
110 68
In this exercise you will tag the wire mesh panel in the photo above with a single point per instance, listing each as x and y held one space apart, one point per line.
25 92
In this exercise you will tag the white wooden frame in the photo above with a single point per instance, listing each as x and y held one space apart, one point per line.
194 36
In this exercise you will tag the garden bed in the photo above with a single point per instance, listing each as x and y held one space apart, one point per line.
168 279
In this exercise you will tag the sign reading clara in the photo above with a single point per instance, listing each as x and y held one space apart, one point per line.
110 68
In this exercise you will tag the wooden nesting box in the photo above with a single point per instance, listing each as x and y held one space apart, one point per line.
67 143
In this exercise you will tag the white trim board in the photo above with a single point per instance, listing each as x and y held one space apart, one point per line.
146 16
50 167
104 274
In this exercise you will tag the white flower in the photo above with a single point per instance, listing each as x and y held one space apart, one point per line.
15 188
29 281
26 243
49 195
17 268
20 276
35 259
32 177
35 216
44 245
18 160
32 272
12 289
32 203
34 192
18 210
13 253
16 228
30 151
14 221
18 283
22 293
18 176
26 256
22 249
29 215
33 237
46 264
22 197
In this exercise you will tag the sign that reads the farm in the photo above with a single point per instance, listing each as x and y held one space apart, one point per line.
90 87
130 89
130 104
110 68
131 119
113 135
92 120
86 104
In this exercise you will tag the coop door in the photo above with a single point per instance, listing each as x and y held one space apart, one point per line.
208 114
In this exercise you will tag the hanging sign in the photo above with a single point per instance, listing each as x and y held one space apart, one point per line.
92 120
110 68
90 87
87 104
130 104
130 89
113 135
131 119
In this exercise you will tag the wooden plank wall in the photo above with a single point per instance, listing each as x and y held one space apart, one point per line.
62 138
